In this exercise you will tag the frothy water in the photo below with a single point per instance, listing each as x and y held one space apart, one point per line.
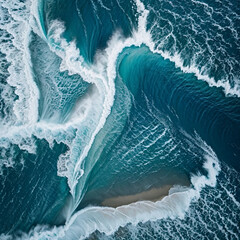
104 99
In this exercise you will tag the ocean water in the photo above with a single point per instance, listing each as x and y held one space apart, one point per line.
105 100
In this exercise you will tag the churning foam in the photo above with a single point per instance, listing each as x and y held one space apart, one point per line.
17 54
102 74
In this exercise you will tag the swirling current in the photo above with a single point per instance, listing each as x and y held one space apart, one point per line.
119 119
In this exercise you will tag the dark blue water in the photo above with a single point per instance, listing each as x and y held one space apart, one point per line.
103 100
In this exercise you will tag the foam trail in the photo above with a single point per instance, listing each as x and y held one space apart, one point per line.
74 63
225 85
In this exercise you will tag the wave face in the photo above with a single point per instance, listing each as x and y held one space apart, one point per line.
119 119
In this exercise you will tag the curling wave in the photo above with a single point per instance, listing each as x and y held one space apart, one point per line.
100 100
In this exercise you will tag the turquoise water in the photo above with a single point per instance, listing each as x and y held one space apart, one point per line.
101 99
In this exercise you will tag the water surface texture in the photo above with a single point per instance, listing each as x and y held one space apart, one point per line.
119 119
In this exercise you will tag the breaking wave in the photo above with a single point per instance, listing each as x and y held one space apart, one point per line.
100 100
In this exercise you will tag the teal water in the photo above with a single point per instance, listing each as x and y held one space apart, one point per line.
101 99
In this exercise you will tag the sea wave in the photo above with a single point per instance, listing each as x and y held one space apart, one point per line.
72 86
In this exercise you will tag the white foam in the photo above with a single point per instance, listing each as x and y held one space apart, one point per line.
97 107
25 109
225 85
17 54
102 74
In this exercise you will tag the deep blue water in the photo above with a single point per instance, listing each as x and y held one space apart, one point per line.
103 99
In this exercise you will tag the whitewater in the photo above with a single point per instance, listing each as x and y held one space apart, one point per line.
104 99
